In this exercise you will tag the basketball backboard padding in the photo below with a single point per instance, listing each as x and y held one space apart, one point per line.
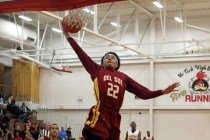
47 5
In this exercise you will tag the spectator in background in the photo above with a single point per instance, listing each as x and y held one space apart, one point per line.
2 109
27 136
18 137
26 112
11 127
3 118
17 130
14 109
133 134
69 134
62 133
1 134
1 99
46 131
10 136
148 136
10 99
34 131
26 132
28 121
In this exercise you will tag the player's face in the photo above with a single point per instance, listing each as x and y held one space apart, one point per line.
110 62
133 125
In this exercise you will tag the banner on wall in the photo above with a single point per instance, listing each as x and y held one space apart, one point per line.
197 85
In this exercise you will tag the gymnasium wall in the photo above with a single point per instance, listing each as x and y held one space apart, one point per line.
75 90
65 91
181 124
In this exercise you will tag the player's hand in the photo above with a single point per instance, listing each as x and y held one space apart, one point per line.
66 33
64 30
171 88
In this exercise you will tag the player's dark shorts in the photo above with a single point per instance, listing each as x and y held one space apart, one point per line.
104 123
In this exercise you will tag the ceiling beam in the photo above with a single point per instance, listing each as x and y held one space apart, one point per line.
191 26
48 14
102 21
198 28
141 8
128 23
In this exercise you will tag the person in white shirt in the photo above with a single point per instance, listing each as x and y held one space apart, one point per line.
133 134
46 131
53 135
148 136
25 112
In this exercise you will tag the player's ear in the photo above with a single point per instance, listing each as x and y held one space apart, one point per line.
102 61
116 64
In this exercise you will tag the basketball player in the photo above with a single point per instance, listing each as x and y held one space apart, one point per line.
133 134
104 119
148 136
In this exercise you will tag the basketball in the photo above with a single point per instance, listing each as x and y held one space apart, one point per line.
72 23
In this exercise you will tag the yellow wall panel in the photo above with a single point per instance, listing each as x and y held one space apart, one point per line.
25 77
35 83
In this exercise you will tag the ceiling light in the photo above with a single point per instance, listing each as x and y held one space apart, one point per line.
57 30
156 3
115 24
88 11
25 18
178 19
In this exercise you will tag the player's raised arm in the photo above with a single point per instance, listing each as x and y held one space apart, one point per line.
86 61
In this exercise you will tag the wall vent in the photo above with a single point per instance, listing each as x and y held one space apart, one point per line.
30 39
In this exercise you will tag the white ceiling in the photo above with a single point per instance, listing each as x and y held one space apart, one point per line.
123 12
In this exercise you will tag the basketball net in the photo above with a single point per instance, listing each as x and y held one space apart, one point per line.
82 13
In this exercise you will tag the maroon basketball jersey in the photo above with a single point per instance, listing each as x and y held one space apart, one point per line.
110 87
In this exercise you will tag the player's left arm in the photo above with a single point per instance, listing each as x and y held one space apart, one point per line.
90 66
144 93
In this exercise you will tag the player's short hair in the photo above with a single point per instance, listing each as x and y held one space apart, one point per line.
133 123
118 59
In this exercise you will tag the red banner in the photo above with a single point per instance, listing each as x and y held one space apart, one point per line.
46 5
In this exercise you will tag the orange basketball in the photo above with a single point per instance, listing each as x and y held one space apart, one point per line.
72 23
